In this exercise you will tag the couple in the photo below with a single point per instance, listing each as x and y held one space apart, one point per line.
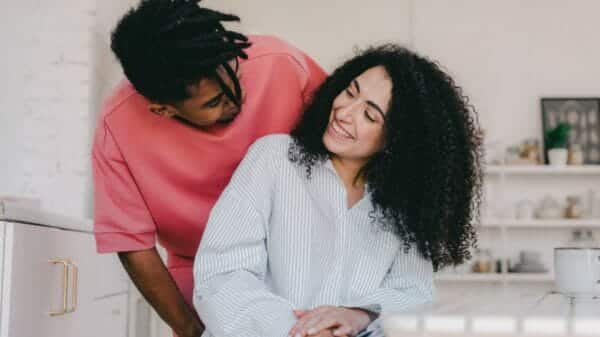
316 233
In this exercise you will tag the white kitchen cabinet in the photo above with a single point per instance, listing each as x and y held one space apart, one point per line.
53 283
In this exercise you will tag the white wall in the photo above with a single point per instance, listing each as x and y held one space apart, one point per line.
507 54
326 29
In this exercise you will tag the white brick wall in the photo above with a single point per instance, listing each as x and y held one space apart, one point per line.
56 69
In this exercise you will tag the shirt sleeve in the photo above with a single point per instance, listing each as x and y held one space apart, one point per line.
408 283
122 221
310 74
315 75
230 293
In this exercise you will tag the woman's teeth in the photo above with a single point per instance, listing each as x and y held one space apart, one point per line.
339 131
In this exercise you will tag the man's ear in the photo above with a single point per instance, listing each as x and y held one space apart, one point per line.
165 110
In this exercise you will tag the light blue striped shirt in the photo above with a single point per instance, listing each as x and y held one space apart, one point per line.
278 241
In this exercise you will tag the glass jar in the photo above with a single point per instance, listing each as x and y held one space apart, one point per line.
574 208
575 155
483 262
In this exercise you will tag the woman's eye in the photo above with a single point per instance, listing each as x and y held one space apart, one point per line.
369 116
349 93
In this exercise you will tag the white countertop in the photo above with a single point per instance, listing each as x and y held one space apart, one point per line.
499 313
18 213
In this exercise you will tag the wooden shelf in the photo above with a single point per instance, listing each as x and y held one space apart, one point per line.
537 223
493 277
542 169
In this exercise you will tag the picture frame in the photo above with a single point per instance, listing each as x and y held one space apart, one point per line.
583 115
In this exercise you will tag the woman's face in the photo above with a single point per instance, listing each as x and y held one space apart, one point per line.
355 130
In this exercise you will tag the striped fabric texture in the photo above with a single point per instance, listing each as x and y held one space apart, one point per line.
277 241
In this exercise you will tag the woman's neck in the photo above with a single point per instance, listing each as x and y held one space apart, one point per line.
348 171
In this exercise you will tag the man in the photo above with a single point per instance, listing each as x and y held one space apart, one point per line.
170 136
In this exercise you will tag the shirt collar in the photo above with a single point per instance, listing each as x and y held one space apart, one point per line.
329 166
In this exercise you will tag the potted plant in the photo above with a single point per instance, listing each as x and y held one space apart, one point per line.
557 140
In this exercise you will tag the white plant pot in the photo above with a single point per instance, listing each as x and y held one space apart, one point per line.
558 157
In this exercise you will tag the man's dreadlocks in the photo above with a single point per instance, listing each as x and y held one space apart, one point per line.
166 46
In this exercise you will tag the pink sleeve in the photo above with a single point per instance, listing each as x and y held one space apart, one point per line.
309 73
314 76
122 221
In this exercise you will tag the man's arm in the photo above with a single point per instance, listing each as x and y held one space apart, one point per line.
151 277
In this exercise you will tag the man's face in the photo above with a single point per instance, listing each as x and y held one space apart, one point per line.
207 104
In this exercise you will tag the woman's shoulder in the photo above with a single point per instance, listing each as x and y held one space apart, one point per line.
268 150
272 145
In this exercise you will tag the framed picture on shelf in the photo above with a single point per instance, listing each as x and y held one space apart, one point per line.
583 115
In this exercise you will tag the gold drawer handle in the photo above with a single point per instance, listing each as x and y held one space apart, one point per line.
74 281
67 264
65 287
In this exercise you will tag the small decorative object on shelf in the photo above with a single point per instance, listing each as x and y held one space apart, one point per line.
582 239
583 117
574 209
530 262
493 149
549 208
530 150
525 153
513 155
575 155
525 209
483 262
557 140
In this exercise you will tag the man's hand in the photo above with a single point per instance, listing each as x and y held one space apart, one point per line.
340 321
151 277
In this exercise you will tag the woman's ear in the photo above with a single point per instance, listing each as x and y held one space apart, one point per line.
165 110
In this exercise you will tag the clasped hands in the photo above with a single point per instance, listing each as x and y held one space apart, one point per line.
330 321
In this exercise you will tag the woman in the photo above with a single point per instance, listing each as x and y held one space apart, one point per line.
322 231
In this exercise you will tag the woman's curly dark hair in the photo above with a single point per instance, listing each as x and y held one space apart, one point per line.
425 183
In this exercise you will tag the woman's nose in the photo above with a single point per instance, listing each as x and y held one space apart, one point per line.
347 111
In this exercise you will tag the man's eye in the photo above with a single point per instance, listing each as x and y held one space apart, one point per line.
214 103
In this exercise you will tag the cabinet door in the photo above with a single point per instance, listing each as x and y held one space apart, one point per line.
37 259
110 318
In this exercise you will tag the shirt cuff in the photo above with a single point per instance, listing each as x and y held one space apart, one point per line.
112 242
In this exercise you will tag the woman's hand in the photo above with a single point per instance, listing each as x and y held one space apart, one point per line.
325 333
342 321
